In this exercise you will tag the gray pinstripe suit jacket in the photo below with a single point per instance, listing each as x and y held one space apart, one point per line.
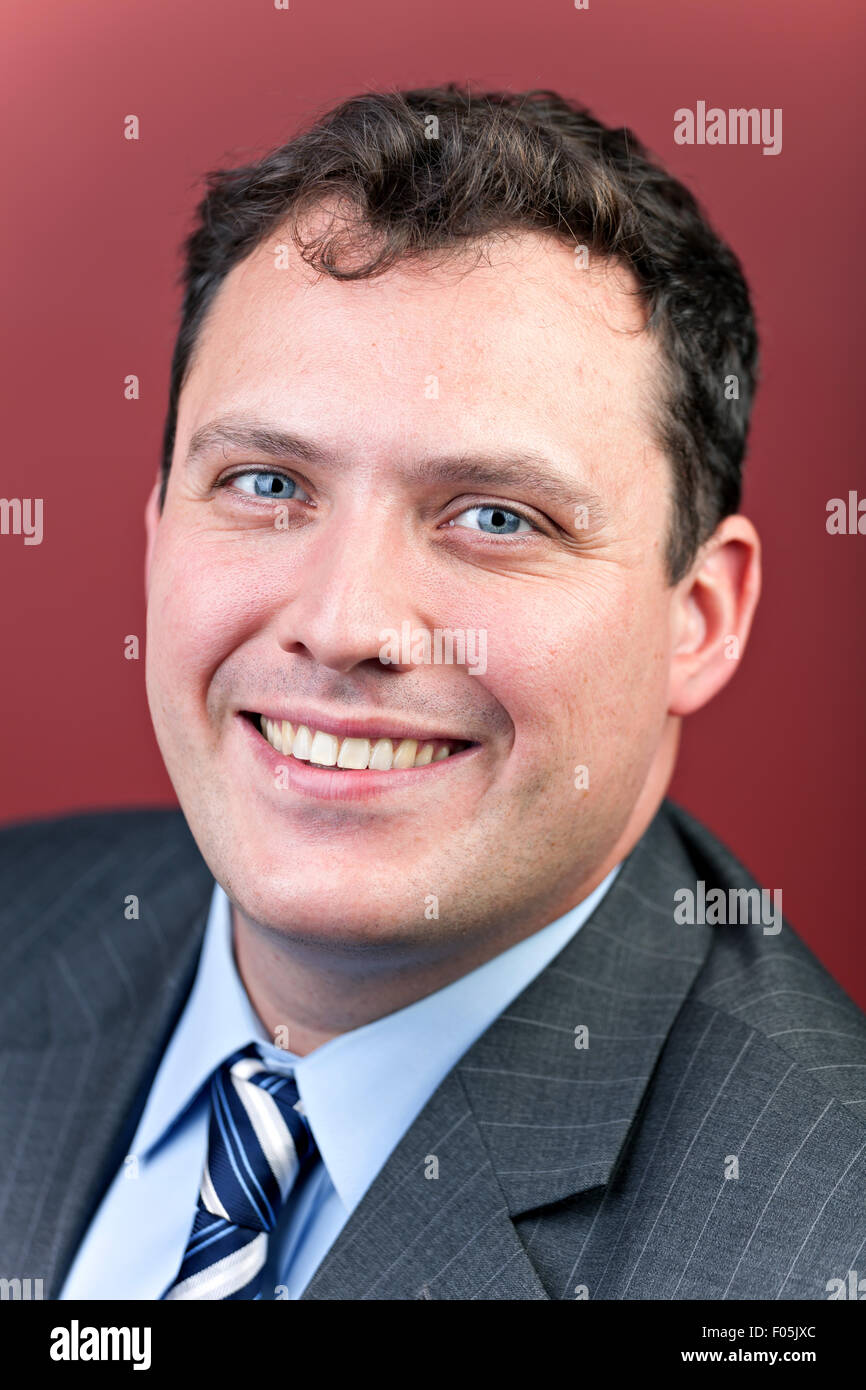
607 1172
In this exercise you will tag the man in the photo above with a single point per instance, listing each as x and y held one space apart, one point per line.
440 998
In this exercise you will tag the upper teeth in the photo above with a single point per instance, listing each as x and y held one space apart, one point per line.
381 754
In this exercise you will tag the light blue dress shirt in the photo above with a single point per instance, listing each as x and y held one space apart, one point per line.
360 1092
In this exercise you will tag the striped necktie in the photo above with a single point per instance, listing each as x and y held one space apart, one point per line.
257 1145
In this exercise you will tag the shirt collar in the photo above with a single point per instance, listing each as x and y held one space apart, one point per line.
359 1104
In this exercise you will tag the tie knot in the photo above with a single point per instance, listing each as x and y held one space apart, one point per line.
249 1068
258 1141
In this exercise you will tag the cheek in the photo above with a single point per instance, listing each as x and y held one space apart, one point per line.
202 606
581 673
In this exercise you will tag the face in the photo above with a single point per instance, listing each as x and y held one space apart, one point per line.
465 449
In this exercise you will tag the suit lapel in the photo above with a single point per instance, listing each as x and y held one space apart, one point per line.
434 1223
537 1110
557 1081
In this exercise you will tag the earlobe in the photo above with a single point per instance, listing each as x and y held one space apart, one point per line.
713 615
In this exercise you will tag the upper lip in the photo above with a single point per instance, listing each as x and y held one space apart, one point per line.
372 726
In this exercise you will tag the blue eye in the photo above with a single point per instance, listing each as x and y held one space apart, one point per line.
277 487
494 521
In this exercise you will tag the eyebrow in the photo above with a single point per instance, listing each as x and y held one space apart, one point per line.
524 469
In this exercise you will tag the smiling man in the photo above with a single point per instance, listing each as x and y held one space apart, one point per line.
414 1011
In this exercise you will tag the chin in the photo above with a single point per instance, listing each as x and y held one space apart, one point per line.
321 902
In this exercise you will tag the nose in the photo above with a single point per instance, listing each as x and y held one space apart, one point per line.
353 587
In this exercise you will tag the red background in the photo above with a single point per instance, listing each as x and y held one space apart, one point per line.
89 254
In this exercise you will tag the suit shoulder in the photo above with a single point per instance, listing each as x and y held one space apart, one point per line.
761 974
51 866
88 832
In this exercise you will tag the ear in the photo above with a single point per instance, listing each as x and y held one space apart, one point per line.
151 522
712 614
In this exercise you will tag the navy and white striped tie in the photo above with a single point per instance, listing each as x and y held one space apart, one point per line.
257 1145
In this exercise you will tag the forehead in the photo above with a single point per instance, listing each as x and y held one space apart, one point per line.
516 340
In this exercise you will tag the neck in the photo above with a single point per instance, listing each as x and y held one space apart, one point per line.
312 993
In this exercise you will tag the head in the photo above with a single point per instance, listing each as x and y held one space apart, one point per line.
445 366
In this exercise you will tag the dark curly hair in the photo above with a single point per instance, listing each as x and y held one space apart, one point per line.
503 162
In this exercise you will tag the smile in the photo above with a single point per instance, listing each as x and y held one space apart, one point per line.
322 749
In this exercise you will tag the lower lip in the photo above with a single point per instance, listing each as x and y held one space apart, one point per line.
347 784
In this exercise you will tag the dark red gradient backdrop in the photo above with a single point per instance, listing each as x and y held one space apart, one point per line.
91 228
